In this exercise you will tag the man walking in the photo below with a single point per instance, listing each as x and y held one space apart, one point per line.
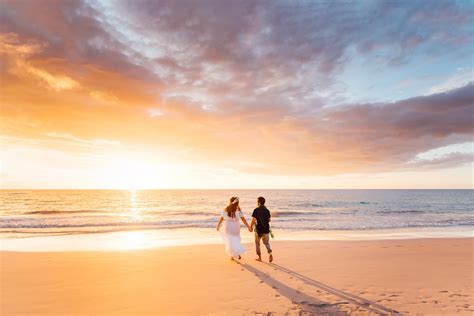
261 216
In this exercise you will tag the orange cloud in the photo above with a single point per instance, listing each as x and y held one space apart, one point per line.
17 55
75 86
266 140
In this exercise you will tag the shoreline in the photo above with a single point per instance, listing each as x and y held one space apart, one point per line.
415 276
164 238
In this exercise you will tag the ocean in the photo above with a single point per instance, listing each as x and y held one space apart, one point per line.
33 213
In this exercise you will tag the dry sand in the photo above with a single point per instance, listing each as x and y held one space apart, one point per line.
414 277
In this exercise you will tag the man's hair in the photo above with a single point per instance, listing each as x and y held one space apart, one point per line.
261 200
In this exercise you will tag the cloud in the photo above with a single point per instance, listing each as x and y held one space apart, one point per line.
447 161
80 141
17 52
459 79
284 53
68 30
248 86
360 137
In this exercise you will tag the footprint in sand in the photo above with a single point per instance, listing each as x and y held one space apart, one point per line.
465 305
384 300
455 294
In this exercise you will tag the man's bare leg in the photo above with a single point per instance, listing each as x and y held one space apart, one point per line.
266 242
257 247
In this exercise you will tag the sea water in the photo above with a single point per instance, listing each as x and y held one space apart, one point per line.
308 214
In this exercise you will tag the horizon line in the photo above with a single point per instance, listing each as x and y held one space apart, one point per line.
219 189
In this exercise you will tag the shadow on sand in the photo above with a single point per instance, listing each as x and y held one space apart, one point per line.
311 304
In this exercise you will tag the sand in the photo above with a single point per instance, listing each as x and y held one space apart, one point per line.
413 277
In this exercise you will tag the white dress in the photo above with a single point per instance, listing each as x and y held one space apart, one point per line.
230 233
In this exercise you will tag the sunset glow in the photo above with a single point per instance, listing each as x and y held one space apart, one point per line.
120 95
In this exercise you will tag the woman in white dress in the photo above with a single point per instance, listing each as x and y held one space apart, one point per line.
231 228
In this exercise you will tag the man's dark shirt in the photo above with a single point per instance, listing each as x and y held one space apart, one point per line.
262 215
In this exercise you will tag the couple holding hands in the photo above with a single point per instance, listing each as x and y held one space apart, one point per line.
230 231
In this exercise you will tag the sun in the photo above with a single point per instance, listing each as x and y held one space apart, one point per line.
132 173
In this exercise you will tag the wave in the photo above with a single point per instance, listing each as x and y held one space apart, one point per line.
166 213
91 231
290 213
308 204
158 224
401 212
444 224
54 212
182 213
291 224
110 229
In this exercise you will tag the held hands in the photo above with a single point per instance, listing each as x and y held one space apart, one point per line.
250 228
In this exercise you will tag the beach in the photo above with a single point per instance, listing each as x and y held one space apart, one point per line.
145 144
370 277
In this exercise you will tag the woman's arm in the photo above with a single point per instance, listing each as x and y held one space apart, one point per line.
220 222
245 222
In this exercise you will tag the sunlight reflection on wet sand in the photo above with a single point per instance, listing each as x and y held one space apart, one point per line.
145 239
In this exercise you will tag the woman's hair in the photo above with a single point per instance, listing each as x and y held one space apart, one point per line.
232 207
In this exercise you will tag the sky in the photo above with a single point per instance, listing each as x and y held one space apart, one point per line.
236 94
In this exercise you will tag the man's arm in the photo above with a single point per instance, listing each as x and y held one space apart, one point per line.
254 220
